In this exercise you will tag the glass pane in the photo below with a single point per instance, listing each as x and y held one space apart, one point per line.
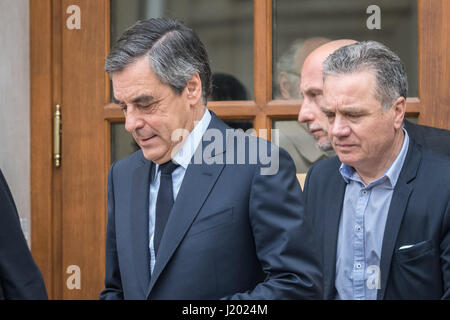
298 142
224 26
227 87
122 142
300 26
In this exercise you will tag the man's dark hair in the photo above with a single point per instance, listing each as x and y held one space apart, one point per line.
174 51
227 87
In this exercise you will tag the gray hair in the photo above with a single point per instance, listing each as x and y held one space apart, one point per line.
390 74
291 61
175 53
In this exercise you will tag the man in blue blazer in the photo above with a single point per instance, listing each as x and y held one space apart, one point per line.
200 212
381 208
435 139
20 278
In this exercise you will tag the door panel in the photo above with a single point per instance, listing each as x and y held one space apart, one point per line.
84 163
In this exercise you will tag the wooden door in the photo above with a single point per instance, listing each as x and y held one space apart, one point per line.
69 203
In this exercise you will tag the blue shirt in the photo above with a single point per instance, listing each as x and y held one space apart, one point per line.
183 158
361 230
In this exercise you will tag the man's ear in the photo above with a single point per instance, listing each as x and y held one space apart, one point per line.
285 85
194 89
399 108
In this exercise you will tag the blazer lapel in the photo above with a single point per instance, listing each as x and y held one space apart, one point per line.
332 209
195 188
397 209
139 215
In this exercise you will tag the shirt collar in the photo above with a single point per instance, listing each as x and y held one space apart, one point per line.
392 173
184 155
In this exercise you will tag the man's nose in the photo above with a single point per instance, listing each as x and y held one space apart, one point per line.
133 120
339 127
306 113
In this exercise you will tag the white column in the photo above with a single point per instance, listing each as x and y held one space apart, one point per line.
15 104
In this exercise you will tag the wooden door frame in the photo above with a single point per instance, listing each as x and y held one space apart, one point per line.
46 43
43 177
434 63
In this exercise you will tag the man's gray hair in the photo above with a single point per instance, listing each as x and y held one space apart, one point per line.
287 64
292 60
390 74
174 51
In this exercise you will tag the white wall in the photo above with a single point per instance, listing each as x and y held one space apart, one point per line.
15 103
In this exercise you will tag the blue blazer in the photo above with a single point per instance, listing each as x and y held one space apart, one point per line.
419 214
20 277
232 233
435 139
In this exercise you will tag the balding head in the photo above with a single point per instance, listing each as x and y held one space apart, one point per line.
311 87
319 55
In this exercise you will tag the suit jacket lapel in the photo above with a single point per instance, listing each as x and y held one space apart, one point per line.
187 204
396 212
332 209
139 215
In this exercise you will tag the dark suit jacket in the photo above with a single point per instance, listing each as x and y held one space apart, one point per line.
20 278
435 139
232 233
419 213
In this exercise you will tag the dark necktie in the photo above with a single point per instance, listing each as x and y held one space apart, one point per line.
164 201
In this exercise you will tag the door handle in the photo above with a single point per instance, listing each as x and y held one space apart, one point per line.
57 136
